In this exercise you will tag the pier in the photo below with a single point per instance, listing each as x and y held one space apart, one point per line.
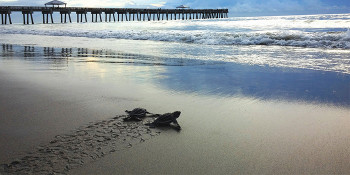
127 14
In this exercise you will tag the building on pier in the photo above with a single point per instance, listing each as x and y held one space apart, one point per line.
56 2
182 7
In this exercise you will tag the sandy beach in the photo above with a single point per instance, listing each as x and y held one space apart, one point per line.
257 95
247 133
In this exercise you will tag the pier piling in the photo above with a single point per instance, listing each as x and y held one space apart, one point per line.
129 13
96 13
66 13
26 14
81 13
109 13
5 13
47 13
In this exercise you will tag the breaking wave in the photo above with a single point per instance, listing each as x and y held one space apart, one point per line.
339 39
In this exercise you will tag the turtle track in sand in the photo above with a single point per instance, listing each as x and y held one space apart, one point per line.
82 145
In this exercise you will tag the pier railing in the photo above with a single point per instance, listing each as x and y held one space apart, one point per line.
128 13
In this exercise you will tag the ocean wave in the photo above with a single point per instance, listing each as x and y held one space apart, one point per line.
281 38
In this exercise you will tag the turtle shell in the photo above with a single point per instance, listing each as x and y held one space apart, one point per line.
137 112
167 118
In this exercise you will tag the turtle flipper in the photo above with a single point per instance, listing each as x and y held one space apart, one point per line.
178 127
137 119
175 122
126 119
130 118
175 125
151 125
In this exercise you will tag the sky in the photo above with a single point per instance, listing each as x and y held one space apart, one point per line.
236 7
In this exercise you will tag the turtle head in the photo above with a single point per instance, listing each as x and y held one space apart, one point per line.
177 114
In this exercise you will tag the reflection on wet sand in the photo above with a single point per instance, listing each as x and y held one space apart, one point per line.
264 83
62 54
28 51
208 78
7 51
51 52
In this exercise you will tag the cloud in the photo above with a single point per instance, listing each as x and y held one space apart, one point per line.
266 6
72 3
105 3
253 5
269 6
160 4
7 1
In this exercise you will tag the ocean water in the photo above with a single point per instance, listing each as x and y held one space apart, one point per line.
319 42
312 31
259 94
297 46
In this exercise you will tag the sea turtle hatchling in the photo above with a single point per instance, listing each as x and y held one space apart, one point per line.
166 120
136 114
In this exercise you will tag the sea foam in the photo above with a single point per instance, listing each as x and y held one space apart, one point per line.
311 31
281 38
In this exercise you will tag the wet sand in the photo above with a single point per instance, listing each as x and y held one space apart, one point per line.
289 124
220 135
294 139
50 127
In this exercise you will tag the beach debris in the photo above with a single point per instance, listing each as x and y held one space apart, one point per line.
166 119
136 114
